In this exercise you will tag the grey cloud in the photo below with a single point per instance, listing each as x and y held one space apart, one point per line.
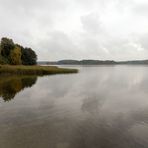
144 42
58 44
100 29
91 23
141 9
33 4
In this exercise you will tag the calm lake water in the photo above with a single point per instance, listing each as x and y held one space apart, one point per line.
100 107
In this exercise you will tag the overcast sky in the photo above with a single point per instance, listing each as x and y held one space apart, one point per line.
78 29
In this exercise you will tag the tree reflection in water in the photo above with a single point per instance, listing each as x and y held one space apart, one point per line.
11 85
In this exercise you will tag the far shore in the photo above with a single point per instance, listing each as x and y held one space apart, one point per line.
34 70
93 62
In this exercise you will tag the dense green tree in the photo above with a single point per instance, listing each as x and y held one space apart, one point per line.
29 57
3 60
6 46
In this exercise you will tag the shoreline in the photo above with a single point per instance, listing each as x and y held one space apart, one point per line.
34 70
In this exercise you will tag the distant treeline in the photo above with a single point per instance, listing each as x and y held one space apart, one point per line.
15 54
91 62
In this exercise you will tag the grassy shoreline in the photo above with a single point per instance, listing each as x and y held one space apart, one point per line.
34 70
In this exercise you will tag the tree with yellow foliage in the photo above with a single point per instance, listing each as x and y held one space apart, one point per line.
15 56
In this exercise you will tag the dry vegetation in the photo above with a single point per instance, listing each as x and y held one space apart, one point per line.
34 70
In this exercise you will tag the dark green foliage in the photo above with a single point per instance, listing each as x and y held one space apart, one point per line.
29 57
6 46
16 54
3 60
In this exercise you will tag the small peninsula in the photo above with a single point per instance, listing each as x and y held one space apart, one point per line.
15 59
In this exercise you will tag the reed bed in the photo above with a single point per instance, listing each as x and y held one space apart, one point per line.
34 70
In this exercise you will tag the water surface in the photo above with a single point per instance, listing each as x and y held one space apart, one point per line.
100 107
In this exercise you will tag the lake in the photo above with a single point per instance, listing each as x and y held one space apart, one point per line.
100 107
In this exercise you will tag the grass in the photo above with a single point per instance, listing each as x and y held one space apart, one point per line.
34 70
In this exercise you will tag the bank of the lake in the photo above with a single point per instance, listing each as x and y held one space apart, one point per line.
34 70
